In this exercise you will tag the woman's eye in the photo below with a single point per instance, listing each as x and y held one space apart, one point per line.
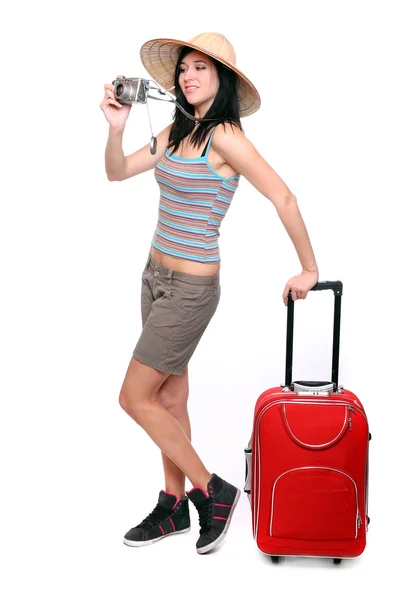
199 68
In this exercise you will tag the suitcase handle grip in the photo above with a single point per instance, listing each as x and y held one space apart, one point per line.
315 388
337 288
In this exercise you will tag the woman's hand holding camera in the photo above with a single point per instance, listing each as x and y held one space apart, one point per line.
115 113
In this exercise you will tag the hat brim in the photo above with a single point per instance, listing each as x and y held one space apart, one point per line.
159 58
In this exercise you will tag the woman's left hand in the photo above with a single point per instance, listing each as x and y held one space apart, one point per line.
300 285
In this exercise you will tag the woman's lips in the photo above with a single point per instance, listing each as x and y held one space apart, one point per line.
191 88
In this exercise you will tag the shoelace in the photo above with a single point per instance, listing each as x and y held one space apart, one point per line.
156 516
205 514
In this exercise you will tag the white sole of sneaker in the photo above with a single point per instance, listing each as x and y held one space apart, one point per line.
223 533
148 542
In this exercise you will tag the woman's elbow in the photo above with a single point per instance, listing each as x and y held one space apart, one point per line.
112 177
284 201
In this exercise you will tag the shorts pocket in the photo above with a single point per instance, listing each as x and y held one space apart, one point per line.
184 296
146 299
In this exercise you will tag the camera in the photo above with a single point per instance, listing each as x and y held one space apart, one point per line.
131 90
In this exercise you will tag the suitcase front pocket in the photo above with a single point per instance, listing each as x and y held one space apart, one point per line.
314 503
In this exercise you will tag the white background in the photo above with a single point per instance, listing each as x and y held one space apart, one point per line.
336 123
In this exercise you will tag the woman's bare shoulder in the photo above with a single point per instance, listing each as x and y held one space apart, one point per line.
229 137
228 130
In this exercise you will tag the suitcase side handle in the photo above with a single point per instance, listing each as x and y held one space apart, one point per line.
337 288
248 472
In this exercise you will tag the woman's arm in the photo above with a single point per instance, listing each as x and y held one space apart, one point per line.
114 155
120 167
240 153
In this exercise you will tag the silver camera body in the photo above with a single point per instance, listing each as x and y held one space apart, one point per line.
131 90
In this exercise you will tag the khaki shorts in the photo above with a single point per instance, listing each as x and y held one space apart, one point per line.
176 308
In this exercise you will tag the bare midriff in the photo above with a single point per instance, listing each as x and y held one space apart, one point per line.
185 266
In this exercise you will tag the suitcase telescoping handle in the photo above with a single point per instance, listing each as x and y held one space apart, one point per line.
336 287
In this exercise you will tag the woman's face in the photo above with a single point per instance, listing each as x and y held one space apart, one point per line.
198 80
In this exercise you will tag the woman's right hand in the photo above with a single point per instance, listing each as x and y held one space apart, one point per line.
115 113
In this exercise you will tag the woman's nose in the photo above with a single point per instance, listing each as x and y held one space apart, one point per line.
188 76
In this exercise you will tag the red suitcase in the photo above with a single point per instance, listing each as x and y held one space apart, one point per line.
307 462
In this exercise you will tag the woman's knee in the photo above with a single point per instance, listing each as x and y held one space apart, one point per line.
140 388
133 404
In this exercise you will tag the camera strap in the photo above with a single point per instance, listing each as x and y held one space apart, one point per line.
172 99
153 142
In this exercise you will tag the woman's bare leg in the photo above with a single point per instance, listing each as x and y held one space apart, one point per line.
139 399
173 395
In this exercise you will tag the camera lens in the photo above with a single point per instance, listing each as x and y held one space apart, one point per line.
119 89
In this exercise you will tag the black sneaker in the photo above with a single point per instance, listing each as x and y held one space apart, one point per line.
215 508
169 517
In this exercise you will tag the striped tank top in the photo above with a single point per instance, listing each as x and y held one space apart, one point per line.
193 202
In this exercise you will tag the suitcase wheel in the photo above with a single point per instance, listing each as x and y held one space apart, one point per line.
337 561
275 559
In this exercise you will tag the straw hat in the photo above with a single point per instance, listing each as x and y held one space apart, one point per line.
159 57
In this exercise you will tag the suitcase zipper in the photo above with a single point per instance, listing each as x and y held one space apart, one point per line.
265 408
352 409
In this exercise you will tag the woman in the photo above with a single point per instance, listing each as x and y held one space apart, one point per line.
180 282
